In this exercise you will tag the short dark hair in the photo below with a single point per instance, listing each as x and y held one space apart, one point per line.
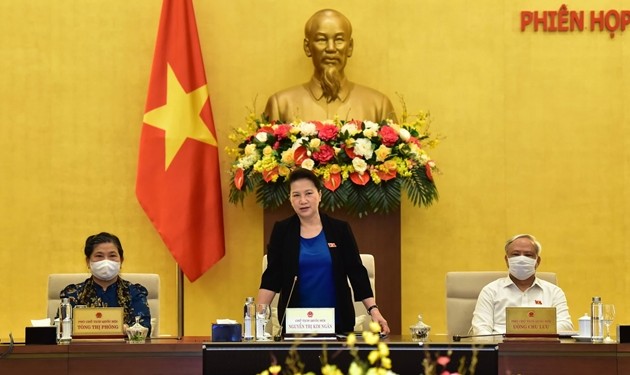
303 173
97 239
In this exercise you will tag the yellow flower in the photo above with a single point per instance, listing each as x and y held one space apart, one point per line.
315 143
351 340
373 356
355 369
331 370
375 327
250 149
386 362
268 151
335 168
283 170
287 156
382 152
383 349
371 338
308 164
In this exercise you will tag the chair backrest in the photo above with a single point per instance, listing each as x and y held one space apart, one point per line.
462 290
151 281
362 320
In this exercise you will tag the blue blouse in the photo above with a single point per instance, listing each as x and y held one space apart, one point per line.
316 285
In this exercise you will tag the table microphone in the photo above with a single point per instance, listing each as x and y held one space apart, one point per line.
278 337
458 338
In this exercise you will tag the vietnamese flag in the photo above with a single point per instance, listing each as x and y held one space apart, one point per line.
178 183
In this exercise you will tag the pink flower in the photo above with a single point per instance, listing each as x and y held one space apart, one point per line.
443 360
388 135
324 154
328 132
282 131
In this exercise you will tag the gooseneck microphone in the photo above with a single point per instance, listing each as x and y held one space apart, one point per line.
458 338
278 337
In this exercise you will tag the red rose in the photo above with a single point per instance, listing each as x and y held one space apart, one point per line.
328 132
282 131
324 154
388 135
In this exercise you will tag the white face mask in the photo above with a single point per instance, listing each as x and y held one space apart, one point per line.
105 269
522 267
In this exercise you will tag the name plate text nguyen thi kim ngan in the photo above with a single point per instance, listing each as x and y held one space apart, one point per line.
98 322
317 321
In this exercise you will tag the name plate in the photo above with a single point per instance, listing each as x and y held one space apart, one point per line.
305 320
530 321
97 322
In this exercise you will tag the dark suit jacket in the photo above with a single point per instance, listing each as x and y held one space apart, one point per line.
283 253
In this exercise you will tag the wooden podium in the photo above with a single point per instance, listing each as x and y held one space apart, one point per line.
378 235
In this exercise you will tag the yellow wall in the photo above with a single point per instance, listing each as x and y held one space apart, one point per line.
537 126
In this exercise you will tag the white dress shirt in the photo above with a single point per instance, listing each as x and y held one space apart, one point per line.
489 315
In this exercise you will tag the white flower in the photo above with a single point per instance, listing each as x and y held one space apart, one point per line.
261 137
308 128
404 134
247 161
359 165
250 149
308 164
351 128
363 147
370 133
371 125
299 142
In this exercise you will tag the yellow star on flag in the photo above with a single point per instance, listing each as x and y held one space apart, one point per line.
179 117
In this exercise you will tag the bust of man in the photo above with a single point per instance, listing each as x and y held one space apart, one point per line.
328 42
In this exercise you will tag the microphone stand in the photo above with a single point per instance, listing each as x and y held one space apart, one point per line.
278 337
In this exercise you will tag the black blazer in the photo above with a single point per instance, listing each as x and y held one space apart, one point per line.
283 253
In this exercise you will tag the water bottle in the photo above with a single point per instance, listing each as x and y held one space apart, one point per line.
597 334
249 317
65 318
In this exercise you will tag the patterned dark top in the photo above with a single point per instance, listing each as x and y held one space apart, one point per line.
132 297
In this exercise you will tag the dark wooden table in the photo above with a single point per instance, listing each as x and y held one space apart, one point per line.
407 356
158 356
197 355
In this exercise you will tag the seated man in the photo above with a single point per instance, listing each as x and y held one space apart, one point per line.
520 288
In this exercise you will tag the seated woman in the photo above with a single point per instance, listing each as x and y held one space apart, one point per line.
104 257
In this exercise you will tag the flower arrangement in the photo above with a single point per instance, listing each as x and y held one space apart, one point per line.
364 166
377 363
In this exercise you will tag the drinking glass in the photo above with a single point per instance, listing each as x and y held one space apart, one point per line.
608 315
263 314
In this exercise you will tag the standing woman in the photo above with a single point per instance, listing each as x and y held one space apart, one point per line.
322 253
105 288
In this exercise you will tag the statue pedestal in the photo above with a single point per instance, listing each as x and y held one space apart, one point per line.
378 235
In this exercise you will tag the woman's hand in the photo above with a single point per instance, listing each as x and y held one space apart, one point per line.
378 318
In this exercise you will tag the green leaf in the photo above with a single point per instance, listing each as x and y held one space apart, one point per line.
272 195
420 190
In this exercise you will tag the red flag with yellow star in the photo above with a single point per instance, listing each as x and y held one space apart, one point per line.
178 183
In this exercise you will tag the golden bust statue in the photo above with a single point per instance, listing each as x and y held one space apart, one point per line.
328 42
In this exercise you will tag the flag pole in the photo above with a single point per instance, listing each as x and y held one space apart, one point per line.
180 303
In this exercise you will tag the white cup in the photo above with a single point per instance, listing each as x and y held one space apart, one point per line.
585 325
154 328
